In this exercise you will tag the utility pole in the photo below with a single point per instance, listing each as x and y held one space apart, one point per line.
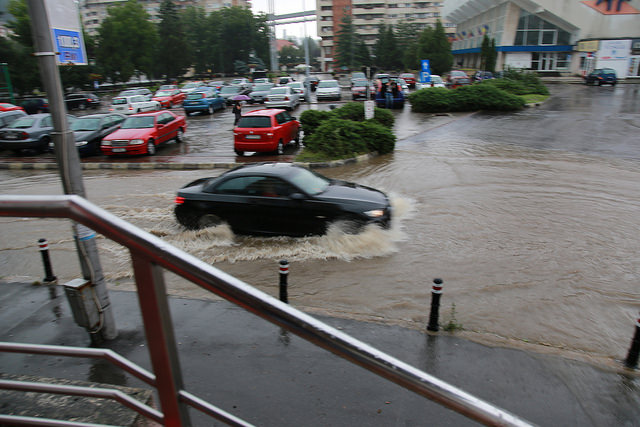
69 166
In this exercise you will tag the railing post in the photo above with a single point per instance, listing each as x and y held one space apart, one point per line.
48 271
634 351
284 272
158 328
436 293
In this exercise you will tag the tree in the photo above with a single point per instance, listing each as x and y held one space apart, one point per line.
290 56
386 49
346 43
493 57
407 37
173 56
126 42
433 45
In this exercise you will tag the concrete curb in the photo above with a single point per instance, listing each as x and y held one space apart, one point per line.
176 166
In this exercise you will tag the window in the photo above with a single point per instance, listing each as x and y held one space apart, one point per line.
534 31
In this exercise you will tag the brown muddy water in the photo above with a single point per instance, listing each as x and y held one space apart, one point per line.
536 246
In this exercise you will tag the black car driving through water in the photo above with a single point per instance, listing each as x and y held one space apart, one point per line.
279 199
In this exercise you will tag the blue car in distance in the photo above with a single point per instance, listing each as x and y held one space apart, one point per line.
204 100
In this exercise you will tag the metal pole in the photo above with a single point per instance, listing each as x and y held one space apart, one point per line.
307 83
436 293
634 351
68 159
48 271
284 272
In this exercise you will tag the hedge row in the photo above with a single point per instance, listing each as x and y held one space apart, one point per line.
344 132
466 98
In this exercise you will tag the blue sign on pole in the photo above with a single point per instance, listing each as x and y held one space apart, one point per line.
425 72
70 45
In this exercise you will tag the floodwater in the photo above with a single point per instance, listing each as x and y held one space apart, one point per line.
530 218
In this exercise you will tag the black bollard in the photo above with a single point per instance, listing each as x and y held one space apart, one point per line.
436 293
284 272
632 358
44 250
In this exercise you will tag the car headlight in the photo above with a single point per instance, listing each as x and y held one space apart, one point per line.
81 143
136 142
376 213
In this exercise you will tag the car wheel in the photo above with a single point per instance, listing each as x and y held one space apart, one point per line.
297 138
599 82
170 104
151 148
137 111
350 225
187 113
82 106
239 153
208 220
180 136
44 144
210 110
280 149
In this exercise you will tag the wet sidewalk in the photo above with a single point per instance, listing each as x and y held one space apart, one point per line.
269 377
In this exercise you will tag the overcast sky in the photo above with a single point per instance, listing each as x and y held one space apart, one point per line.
288 6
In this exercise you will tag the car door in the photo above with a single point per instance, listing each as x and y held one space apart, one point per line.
164 127
234 201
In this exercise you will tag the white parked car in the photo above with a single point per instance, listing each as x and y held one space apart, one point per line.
282 97
133 104
299 88
436 81
328 89
191 86
242 82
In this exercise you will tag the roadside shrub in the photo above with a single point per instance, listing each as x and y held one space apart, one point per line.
465 98
355 111
431 100
337 138
529 79
311 119
377 137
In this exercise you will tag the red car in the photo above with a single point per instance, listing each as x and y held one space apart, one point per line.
5 106
141 133
265 131
409 78
169 97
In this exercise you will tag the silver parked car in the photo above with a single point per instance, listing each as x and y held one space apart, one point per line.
29 133
328 89
282 97
260 92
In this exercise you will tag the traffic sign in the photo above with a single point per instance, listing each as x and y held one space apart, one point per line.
425 73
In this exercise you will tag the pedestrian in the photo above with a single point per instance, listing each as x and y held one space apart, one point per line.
237 111
389 95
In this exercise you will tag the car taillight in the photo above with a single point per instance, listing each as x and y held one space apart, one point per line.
131 107
179 200
286 98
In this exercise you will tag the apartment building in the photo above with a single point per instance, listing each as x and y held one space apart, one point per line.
551 37
367 15
93 12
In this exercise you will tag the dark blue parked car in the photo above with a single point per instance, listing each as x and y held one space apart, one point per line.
601 76
205 100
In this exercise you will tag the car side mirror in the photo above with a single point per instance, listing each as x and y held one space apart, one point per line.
297 196
294 118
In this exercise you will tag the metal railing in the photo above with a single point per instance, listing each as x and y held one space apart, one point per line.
150 255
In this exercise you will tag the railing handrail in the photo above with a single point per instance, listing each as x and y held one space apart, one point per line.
154 251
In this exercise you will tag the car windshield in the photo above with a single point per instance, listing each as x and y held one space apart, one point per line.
360 82
608 71
190 85
358 76
260 88
295 84
328 83
195 95
143 122
163 93
254 122
406 76
459 74
23 123
230 89
436 79
237 81
83 124
119 101
309 182
278 90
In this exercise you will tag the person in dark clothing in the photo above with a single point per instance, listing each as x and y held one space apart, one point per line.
237 111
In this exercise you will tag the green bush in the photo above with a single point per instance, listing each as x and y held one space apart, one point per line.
355 111
311 119
465 98
377 137
529 79
337 138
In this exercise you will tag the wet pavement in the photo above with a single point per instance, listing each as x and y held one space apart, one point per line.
269 377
